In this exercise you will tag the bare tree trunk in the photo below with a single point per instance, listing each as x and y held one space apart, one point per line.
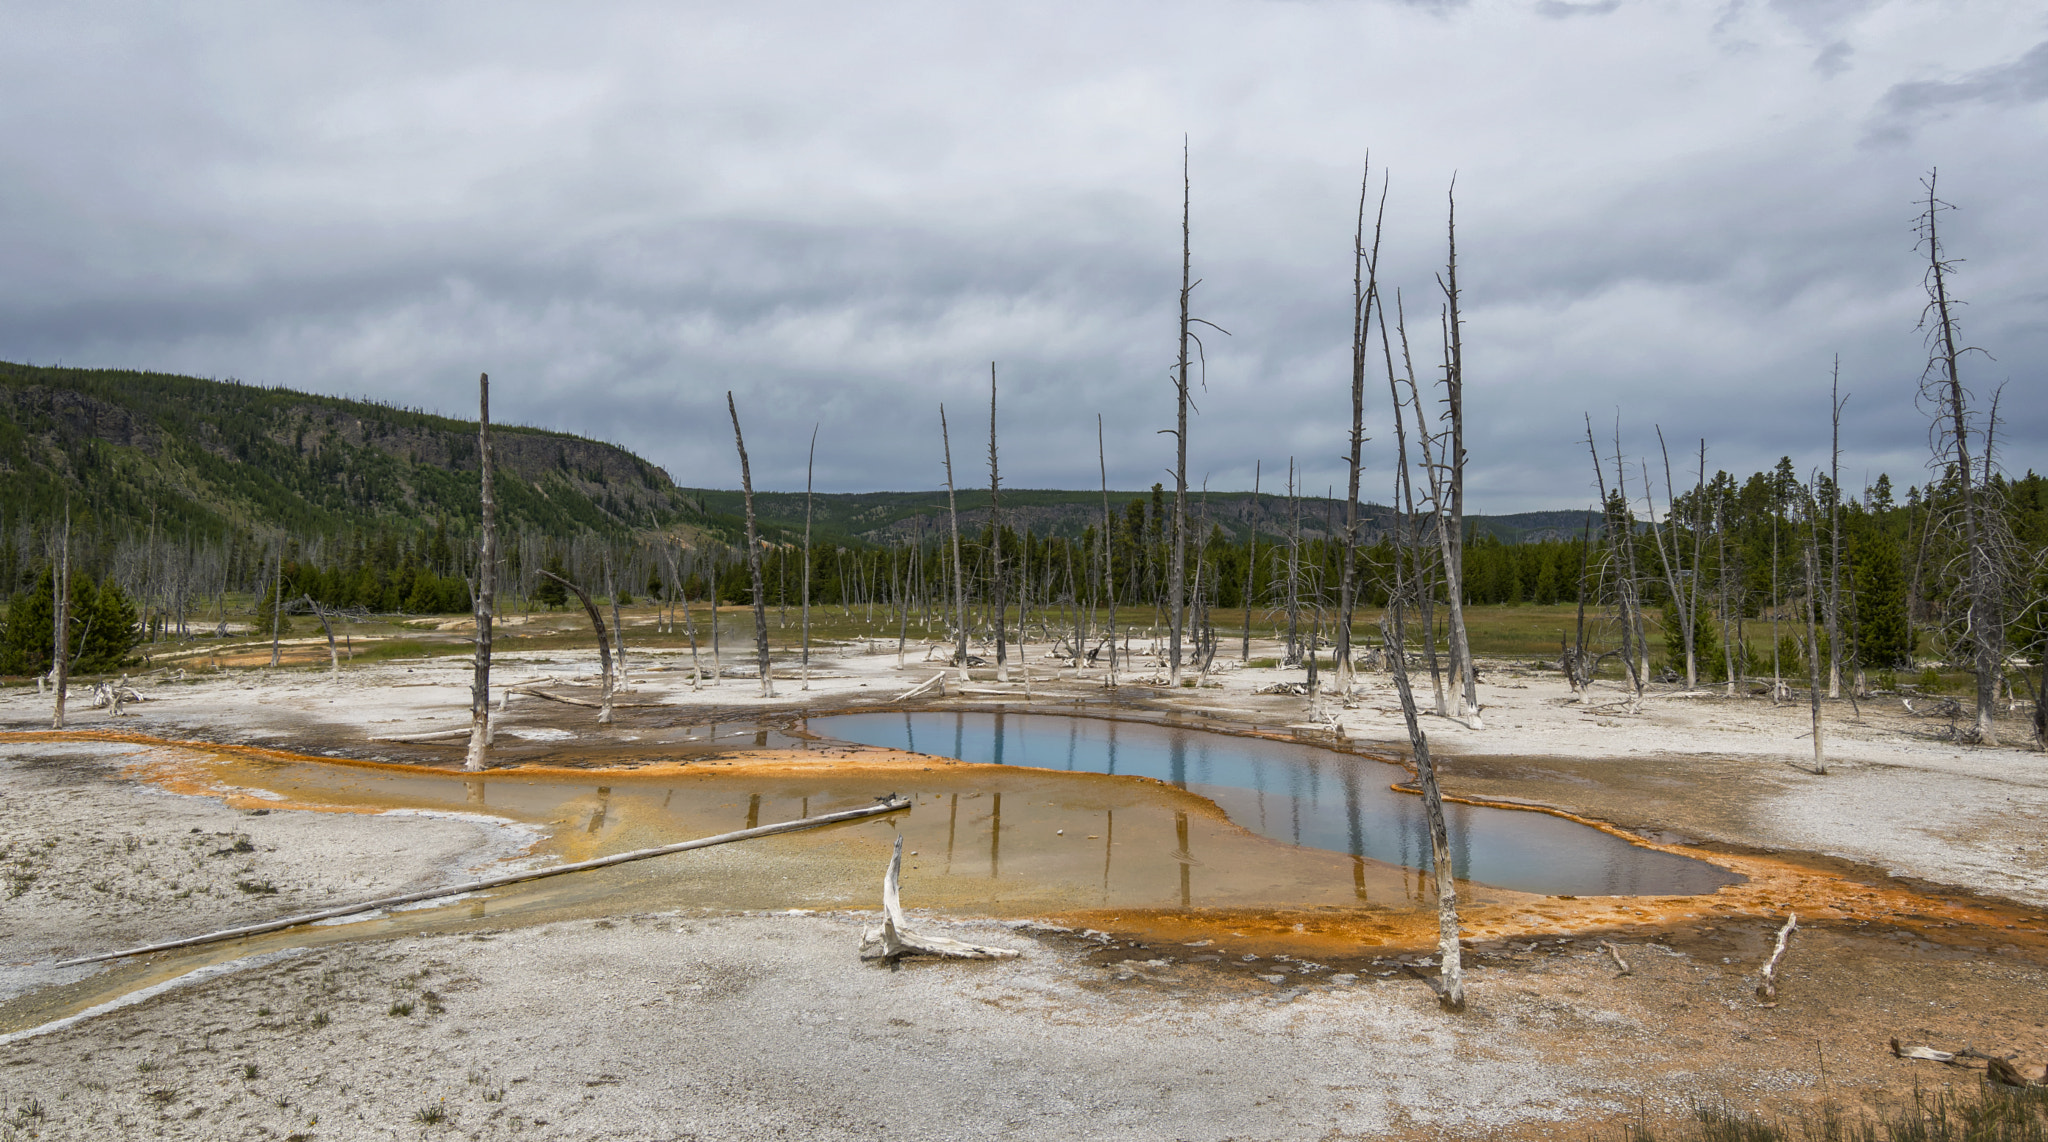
1108 552
753 555
1820 755
1835 402
809 465
1364 291
959 574
277 606
61 651
1251 563
611 587
1024 605
486 589
1467 699
1673 573
682 595
1985 626
999 604
333 655
1178 570
604 645
1451 990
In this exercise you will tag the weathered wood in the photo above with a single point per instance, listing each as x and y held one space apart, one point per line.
1619 963
889 804
938 680
61 665
753 553
894 939
1767 989
486 587
604 644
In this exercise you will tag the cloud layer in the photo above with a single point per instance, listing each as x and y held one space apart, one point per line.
1668 213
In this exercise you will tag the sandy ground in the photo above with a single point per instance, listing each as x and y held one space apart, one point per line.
741 1023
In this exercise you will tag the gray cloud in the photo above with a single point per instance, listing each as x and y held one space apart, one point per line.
2019 81
845 216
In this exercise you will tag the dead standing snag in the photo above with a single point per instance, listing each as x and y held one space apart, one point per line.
894 939
486 590
753 555
604 643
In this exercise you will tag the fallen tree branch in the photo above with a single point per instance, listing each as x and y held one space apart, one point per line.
890 804
938 680
1618 961
894 939
1767 990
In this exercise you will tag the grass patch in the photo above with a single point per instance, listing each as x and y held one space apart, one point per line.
1984 1113
401 1008
429 1115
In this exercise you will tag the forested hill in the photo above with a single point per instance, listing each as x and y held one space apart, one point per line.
214 458
887 518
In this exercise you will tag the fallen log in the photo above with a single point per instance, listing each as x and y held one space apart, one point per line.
938 680
1767 990
586 703
894 939
1996 1069
890 804
435 735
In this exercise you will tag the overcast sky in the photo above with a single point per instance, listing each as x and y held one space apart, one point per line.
1675 213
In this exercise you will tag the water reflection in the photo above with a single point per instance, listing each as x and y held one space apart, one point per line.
1332 801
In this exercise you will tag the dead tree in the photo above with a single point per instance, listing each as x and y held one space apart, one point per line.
1835 402
1108 552
1451 979
604 644
486 589
809 465
1251 563
1942 386
1364 293
959 575
277 606
61 584
1812 553
1453 536
753 554
333 655
995 527
1177 571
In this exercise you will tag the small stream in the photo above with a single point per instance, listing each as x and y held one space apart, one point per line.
1301 795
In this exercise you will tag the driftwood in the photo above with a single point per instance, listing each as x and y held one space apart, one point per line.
1767 990
1620 963
894 939
1996 1069
890 804
938 680
584 702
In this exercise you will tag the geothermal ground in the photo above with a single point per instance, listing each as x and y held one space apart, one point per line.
718 993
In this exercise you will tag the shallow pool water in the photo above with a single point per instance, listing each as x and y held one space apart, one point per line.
1301 795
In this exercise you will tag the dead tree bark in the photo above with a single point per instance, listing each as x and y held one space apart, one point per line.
1251 563
61 585
995 526
1943 382
604 644
1767 986
486 588
959 575
753 555
1467 699
1674 574
1108 552
333 655
1451 980
1820 756
277 606
1835 402
1364 293
809 465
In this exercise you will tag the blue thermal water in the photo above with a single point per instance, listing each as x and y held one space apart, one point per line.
1301 795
